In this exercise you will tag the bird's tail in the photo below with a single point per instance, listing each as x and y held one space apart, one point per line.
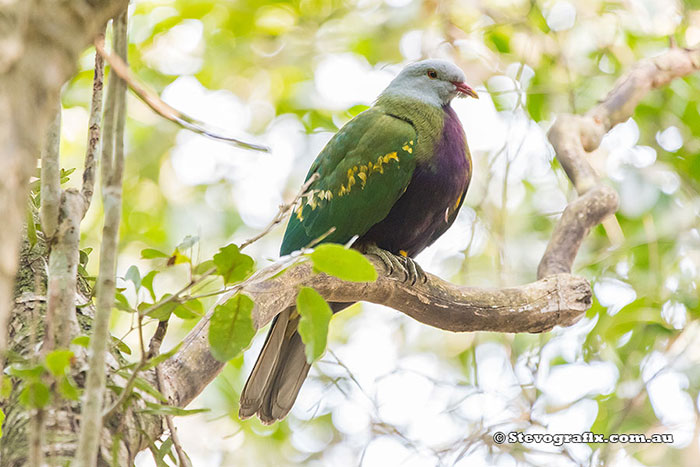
279 372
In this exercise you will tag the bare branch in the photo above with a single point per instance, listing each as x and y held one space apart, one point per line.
577 220
182 458
282 212
61 320
94 130
112 171
164 109
646 75
572 136
557 299
51 177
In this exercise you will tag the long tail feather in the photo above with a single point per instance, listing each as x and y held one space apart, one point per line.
281 368
254 390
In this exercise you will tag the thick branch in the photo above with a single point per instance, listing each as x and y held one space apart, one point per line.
40 43
582 214
536 307
556 299
646 75
573 135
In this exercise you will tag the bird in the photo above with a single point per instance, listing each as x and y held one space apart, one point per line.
394 178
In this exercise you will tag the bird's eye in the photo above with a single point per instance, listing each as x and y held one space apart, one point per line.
432 74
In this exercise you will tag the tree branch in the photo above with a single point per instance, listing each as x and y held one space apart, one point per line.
38 53
94 130
113 165
61 320
50 177
557 298
164 109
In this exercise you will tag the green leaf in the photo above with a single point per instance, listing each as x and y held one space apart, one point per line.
65 175
58 360
189 310
148 388
5 388
147 283
121 303
31 228
121 345
163 451
203 267
313 325
233 265
162 312
26 372
231 328
159 409
343 263
133 275
68 389
151 253
84 255
188 242
35 395
82 341
158 359
2 419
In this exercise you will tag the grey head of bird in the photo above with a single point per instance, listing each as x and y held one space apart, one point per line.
433 81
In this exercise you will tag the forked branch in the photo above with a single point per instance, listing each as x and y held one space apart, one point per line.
556 299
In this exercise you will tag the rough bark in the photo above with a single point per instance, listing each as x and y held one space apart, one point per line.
40 42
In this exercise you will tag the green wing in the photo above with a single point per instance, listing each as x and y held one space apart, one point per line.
363 170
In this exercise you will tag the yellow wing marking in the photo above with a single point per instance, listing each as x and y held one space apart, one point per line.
364 171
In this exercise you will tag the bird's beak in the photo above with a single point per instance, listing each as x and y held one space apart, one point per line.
464 90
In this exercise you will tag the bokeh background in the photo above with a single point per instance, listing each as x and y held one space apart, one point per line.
391 391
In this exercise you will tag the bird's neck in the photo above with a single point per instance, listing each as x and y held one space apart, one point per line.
427 119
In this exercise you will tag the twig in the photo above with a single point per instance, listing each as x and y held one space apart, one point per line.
282 212
50 177
162 108
157 339
112 170
153 350
94 130
557 299
176 296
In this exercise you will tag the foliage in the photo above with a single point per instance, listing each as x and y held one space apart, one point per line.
231 327
313 325
289 73
344 263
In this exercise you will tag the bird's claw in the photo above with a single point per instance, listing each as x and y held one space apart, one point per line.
412 272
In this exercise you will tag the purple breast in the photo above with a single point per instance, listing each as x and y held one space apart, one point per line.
431 201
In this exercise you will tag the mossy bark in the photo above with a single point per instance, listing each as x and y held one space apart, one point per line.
124 435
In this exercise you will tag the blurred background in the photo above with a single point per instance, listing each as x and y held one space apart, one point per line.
391 391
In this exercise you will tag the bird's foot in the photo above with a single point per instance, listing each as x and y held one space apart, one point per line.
411 270
414 273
